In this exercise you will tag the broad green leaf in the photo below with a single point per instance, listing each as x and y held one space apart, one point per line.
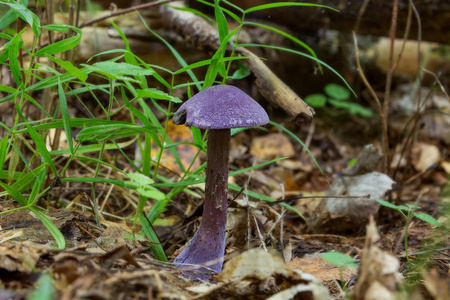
153 238
240 73
427 218
61 46
156 94
337 92
69 67
283 4
140 179
114 70
316 100
54 231
340 260
151 192
25 14
44 288
8 18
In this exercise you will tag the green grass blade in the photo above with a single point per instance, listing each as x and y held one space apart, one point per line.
292 38
284 4
300 142
63 45
13 60
234 173
153 238
13 192
305 55
37 186
66 117
175 53
54 231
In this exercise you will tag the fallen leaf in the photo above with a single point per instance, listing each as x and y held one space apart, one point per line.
271 146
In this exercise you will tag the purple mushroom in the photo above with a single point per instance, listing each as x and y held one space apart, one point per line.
217 108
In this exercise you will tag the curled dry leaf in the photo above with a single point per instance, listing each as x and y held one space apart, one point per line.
271 146
259 272
378 275
362 187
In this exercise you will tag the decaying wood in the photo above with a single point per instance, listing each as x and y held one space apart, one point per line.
204 36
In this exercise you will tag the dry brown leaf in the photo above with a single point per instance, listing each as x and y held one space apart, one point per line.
319 268
429 155
271 146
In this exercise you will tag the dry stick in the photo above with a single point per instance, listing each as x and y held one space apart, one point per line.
376 100
436 78
417 114
386 164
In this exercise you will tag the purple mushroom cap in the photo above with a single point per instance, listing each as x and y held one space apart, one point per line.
220 107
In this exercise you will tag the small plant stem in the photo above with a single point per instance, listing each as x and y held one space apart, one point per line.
100 156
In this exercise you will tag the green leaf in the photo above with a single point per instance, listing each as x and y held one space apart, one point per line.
37 186
54 231
292 38
13 51
340 260
393 206
316 100
44 289
25 14
8 18
69 67
222 24
140 179
114 70
66 117
337 92
283 4
156 94
63 45
151 192
153 238
42 148
3 149
240 73
13 192
111 132
427 218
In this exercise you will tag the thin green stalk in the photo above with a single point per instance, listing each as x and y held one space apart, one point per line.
100 156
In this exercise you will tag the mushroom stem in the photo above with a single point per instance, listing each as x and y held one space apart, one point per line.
208 243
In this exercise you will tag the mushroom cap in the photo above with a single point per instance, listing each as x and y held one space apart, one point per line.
221 107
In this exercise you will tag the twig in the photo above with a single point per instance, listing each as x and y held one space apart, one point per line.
436 78
387 92
384 129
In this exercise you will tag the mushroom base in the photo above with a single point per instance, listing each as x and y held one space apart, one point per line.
207 247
